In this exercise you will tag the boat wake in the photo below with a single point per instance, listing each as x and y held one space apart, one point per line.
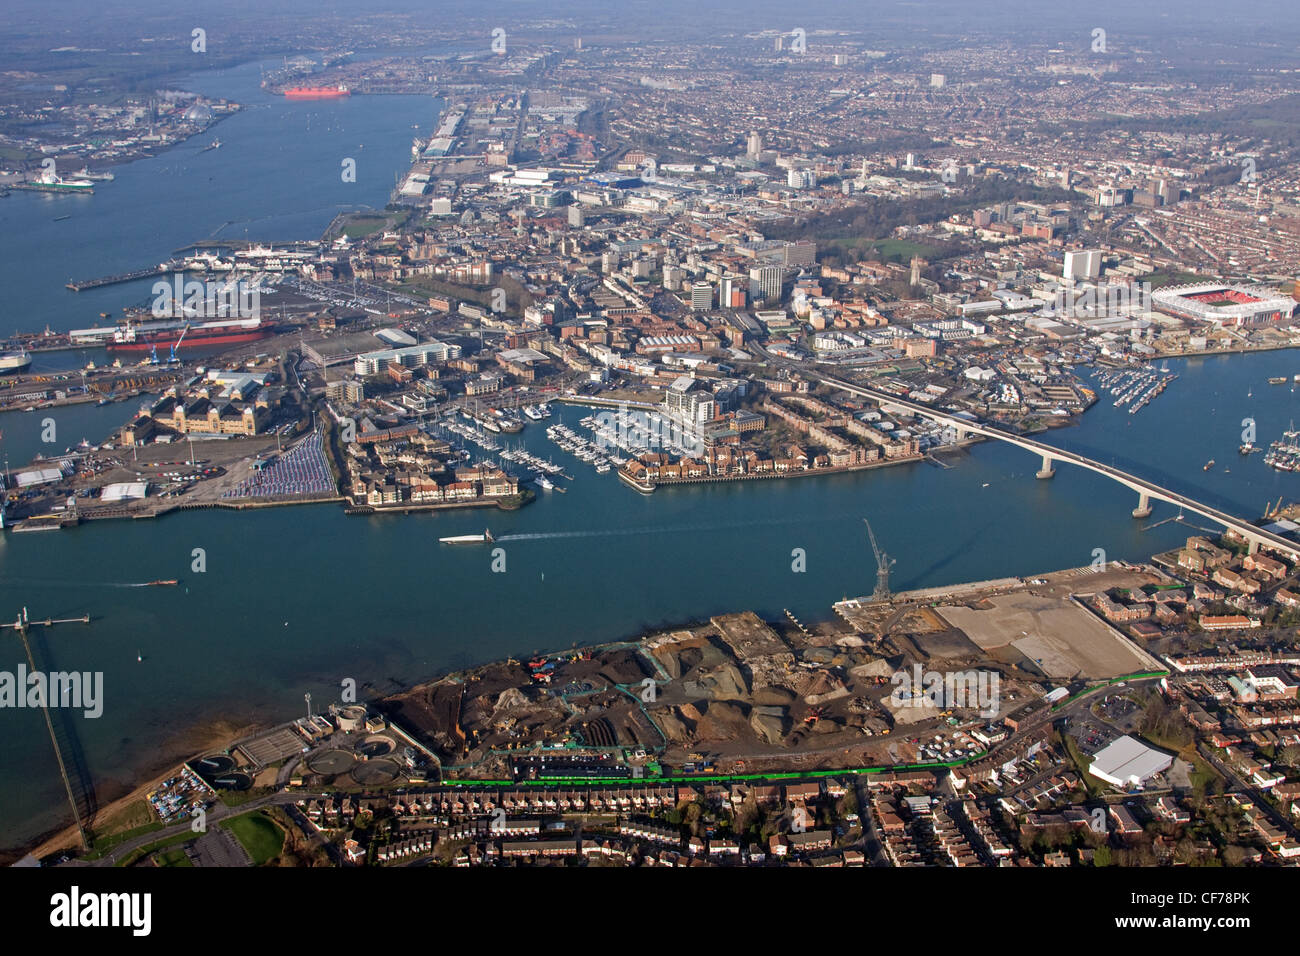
66 583
669 529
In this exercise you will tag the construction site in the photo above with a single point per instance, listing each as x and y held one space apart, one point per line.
739 693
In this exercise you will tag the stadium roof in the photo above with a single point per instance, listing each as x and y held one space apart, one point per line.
1251 300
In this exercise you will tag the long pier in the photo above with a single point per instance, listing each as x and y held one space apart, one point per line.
22 623
161 269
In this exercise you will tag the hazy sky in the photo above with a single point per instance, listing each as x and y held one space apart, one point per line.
126 18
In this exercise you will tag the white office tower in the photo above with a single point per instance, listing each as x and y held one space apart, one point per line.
801 179
765 283
1110 196
754 145
701 297
937 81
609 262
1082 264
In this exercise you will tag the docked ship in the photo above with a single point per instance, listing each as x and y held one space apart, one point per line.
316 92
14 361
484 538
50 181
149 336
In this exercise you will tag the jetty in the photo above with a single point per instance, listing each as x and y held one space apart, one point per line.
164 268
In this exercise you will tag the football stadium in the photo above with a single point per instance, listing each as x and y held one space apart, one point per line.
1243 306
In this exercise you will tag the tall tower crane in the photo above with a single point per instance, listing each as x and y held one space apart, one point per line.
883 563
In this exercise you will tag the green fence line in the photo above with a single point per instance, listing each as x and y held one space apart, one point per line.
1140 675
714 778
783 775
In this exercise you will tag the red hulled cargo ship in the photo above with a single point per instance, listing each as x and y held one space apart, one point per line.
149 336
317 92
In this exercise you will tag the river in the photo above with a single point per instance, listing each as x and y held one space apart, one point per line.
295 600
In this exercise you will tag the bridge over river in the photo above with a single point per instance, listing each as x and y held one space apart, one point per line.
1147 491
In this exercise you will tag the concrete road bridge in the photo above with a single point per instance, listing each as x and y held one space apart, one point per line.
1147 491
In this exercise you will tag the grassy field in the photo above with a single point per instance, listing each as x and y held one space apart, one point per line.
137 855
174 858
131 820
1160 279
889 250
260 837
517 297
361 227
237 798
15 154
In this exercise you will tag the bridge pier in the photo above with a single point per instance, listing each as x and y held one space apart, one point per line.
1252 546
1143 510
1047 471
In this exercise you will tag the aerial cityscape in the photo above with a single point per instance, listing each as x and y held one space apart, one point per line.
400 416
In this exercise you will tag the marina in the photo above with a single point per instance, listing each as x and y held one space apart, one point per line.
1134 387
570 441
474 434
1284 454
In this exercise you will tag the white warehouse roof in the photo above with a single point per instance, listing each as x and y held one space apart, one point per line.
1127 762
38 476
125 490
